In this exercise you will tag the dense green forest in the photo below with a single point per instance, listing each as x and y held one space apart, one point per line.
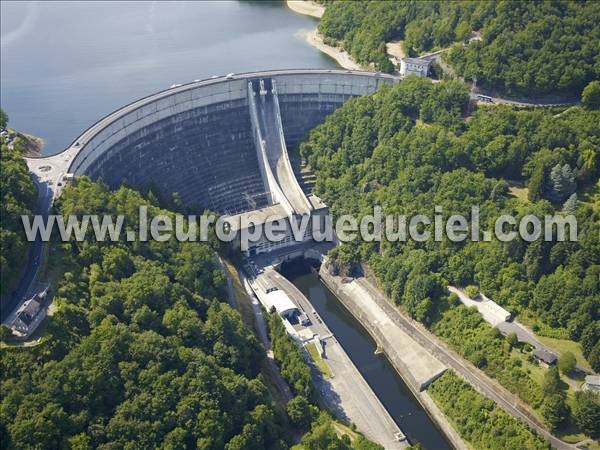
18 198
525 47
142 352
409 148
479 420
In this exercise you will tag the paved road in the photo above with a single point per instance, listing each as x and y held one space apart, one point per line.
485 385
534 103
523 333
437 57
346 393
34 256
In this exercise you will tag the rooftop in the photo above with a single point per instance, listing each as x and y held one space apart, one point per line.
545 356
593 380
420 61
280 301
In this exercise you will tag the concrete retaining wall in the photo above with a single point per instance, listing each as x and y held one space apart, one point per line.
392 349
196 139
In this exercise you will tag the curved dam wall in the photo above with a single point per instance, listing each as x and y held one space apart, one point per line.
196 139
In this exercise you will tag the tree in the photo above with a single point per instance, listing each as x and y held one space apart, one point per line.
567 363
299 412
562 182
512 339
5 333
463 31
586 412
551 382
3 119
590 97
472 291
536 183
571 204
555 411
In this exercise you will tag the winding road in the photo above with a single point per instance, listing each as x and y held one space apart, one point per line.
34 255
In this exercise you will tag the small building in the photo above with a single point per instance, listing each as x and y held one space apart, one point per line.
592 383
544 357
495 309
284 305
414 66
28 317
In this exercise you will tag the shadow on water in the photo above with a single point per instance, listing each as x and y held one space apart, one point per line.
376 369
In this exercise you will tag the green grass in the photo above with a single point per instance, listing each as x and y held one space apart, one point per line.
342 429
570 433
518 190
321 364
554 338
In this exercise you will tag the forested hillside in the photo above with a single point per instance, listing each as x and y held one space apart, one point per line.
142 352
522 47
408 148
482 423
18 198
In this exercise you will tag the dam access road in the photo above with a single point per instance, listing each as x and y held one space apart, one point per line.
346 393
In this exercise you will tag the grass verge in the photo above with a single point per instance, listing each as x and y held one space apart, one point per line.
321 364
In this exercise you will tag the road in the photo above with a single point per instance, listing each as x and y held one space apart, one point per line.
347 393
482 383
34 256
523 102
523 333
537 103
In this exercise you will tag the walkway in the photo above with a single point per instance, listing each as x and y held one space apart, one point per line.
484 384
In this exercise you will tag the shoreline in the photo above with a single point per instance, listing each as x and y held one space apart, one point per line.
342 57
32 145
306 7
314 38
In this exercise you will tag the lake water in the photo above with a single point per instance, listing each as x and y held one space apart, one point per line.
64 65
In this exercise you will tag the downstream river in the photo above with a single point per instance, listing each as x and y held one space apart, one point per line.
377 371
65 65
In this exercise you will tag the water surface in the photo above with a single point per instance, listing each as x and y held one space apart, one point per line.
376 369
64 65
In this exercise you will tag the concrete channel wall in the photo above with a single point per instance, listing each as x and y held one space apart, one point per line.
412 362
346 393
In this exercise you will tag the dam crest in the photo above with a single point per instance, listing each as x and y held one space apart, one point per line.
221 143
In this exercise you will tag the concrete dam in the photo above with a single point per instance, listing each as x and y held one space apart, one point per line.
221 143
